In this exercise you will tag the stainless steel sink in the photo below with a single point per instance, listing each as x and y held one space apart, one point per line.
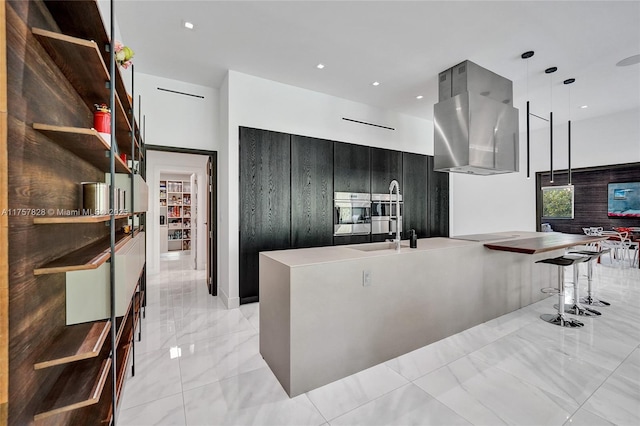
377 246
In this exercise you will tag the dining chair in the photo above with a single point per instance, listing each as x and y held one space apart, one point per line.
620 246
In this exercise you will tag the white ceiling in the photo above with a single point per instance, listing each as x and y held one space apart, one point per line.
403 45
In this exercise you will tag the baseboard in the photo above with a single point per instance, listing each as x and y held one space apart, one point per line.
230 303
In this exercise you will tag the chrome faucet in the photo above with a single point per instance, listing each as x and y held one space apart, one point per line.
394 184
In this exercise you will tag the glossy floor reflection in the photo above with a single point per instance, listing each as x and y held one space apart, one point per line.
199 364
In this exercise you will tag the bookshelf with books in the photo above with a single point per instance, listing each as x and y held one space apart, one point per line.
175 214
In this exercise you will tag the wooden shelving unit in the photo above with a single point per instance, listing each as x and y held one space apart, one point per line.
66 368
66 14
85 143
90 80
76 343
178 208
87 257
79 385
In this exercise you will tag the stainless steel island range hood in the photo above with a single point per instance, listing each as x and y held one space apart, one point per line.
475 123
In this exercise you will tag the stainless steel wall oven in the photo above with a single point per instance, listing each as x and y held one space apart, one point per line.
352 213
383 213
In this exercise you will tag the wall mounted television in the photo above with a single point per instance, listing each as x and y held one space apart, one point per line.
624 200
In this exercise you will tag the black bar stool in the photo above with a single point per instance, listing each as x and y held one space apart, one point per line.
559 318
593 255
575 308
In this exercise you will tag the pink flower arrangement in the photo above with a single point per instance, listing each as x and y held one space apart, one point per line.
123 54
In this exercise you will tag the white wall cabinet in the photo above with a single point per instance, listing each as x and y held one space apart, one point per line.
88 297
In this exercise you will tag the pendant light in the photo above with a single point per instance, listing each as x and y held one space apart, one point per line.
550 71
527 55
567 82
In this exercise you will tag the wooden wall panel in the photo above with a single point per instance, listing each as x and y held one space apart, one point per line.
590 197
386 165
41 175
414 169
351 168
311 192
438 199
4 225
265 202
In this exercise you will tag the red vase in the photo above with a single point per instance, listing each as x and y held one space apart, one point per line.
102 121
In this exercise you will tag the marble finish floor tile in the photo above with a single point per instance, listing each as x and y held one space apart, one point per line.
508 323
253 398
208 361
408 405
346 394
251 312
618 399
584 417
544 362
156 335
426 359
165 411
207 324
486 395
157 376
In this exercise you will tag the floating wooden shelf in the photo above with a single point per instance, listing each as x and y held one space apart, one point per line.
79 385
87 257
81 63
65 14
87 144
122 373
121 324
75 343
44 220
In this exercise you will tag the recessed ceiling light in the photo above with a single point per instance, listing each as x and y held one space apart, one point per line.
320 66
584 106
631 60
375 83
188 25
419 97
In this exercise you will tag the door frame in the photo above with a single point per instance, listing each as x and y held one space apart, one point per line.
213 218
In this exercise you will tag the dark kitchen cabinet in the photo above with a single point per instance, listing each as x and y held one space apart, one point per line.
351 172
386 165
414 176
438 195
311 192
265 196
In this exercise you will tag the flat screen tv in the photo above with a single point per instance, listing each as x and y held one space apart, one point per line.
624 199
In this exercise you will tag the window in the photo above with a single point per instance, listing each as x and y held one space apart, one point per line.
557 202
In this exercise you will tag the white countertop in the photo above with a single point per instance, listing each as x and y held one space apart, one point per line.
317 255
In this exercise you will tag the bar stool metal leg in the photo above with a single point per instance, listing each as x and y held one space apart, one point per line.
576 308
590 300
559 318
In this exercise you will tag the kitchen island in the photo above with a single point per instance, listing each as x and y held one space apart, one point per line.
329 312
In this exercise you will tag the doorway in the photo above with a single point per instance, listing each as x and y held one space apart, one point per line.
183 208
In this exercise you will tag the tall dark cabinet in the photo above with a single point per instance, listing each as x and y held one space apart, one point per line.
265 201
351 168
351 173
311 192
438 190
386 165
415 183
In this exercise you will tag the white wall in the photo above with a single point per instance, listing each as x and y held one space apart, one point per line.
265 104
508 202
167 163
178 120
